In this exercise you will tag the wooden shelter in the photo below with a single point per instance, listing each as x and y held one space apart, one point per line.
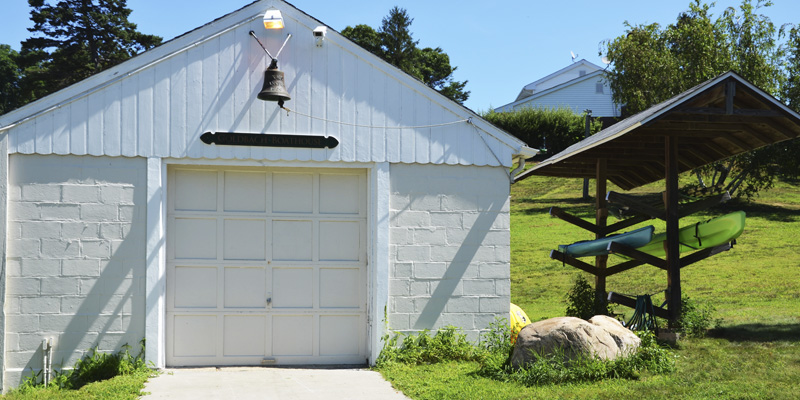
717 119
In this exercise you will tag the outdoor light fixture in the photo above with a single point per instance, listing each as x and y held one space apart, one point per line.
319 34
273 19
274 88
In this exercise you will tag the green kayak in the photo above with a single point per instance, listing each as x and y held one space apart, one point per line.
701 235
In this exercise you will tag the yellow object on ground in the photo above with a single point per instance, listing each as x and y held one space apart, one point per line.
518 319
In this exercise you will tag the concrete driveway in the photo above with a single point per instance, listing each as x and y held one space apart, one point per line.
243 383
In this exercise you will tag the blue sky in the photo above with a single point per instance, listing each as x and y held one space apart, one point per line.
499 48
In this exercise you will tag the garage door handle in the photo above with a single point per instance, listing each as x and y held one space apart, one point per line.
269 301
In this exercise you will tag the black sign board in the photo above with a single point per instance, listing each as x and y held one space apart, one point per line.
269 140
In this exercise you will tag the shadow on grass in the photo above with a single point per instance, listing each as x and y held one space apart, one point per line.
767 211
575 206
758 333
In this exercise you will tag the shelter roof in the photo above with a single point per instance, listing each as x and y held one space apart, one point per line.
720 118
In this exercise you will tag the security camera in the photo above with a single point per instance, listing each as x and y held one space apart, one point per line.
319 34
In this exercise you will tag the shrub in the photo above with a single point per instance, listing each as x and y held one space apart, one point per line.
94 367
581 300
696 319
555 129
448 343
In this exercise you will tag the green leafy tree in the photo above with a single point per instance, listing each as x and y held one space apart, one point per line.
74 39
651 64
10 75
394 43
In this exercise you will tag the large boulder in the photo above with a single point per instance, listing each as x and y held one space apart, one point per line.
602 337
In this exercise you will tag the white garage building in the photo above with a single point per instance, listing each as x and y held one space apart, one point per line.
122 224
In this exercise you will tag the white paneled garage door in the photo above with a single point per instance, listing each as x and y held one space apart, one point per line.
266 266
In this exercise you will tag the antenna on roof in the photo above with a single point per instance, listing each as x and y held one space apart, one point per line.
574 56
605 60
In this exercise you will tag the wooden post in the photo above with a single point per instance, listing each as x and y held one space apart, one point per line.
601 216
672 217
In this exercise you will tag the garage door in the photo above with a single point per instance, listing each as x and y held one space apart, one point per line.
266 266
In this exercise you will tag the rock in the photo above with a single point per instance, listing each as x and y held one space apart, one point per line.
602 337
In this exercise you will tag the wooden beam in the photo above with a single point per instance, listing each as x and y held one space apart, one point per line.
615 247
700 205
629 302
705 253
601 219
626 223
730 93
673 228
636 205
580 223
622 267
586 267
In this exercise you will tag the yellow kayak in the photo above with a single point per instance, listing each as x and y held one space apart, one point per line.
518 320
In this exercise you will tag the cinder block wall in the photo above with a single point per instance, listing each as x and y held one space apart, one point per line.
76 267
449 247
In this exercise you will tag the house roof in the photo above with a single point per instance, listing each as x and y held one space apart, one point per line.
553 89
722 117
160 102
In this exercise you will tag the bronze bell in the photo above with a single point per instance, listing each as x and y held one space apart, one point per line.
274 88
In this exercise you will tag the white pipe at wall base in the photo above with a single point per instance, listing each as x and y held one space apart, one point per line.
46 359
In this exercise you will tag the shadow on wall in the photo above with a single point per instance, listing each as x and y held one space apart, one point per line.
457 267
92 295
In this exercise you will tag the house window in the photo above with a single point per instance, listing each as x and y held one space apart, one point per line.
581 73
598 88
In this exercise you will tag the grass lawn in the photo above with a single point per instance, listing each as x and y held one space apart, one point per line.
755 288
122 387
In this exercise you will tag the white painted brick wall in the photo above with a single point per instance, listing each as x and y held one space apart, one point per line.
76 258
449 247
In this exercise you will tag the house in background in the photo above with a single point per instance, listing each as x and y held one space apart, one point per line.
121 220
579 86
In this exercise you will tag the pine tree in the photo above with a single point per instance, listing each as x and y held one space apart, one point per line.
74 39
394 43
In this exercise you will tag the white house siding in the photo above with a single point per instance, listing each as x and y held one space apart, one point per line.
449 247
75 260
579 97
159 103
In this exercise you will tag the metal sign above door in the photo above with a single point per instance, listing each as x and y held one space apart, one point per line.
269 140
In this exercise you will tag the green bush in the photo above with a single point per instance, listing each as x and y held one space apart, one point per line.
696 319
94 367
581 300
556 129
447 344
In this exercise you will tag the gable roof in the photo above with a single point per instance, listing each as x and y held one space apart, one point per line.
158 103
717 119
551 90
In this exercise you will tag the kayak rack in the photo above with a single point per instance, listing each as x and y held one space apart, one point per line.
638 211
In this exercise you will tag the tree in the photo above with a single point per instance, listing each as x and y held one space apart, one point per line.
75 39
10 75
394 43
651 64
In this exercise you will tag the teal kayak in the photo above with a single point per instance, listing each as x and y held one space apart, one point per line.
599 247
701 235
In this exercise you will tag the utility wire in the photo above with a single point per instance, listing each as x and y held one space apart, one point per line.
288 110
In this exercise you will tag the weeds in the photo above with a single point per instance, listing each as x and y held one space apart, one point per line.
447 344
94 367
696 319
582 302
